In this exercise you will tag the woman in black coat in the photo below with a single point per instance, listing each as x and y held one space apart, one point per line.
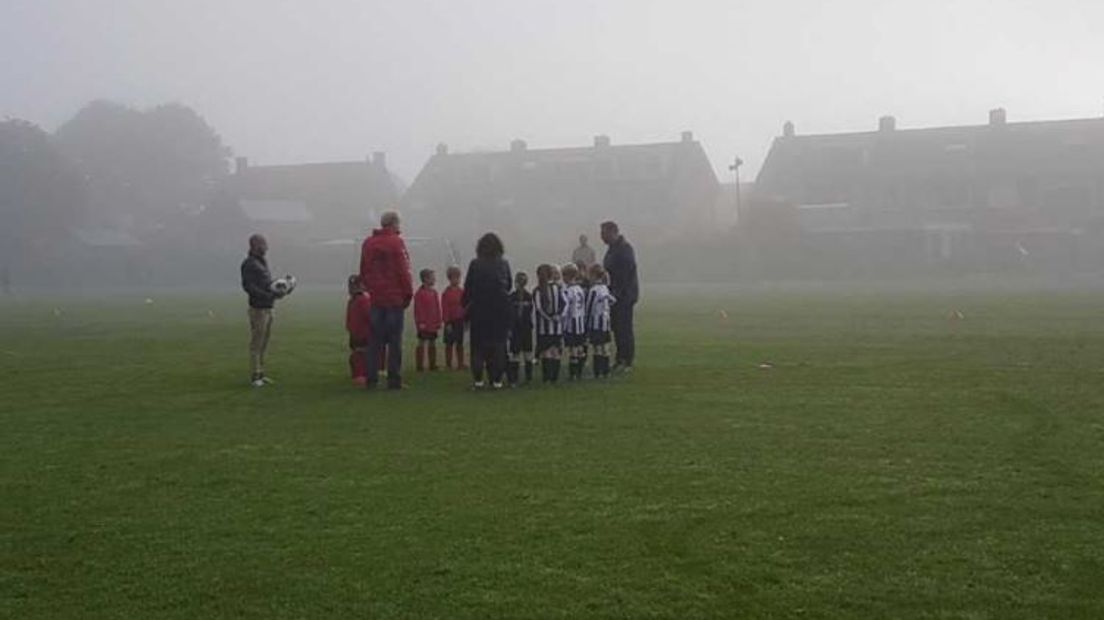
487 299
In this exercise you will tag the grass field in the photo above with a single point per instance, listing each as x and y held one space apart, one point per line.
892 463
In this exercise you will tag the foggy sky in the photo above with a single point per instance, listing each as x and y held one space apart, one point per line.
295 81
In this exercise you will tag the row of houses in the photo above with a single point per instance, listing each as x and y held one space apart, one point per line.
991 195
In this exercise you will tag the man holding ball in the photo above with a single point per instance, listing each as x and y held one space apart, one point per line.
257 283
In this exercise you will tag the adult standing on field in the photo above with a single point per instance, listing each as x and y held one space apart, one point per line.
385 274
257 282
620 264
584 254
487 299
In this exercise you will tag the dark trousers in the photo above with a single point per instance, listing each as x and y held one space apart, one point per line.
491 357
387 329
621 319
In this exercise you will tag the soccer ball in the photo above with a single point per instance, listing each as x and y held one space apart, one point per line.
284 285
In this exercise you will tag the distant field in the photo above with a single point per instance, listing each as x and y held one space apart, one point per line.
893 463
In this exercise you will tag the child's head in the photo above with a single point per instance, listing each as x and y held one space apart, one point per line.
598 274
521 280
453 275
354 285
428 277
544 274
570 273
556 274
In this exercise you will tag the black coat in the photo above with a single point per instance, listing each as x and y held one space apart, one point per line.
257 282
487 300
620 264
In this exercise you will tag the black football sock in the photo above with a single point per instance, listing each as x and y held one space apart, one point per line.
546 370
528 371
512 372
555 371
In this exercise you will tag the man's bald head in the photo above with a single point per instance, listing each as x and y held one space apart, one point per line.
258 245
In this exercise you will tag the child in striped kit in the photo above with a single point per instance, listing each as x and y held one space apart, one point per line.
575 323
598 303
548 311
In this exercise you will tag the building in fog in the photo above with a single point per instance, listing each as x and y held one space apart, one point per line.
311 203
544 197
986 196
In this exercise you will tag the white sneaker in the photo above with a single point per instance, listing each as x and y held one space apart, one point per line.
497 385
257 383
267 380
478 385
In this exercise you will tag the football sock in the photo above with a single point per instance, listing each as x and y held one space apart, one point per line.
419 357
460 357
512 372
448 356
555 371
528 371
432 356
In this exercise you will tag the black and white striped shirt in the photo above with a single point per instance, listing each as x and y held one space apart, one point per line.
548 310
575 310
598 302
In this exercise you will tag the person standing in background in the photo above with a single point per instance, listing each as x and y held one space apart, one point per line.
257 283
620 265
584 255
385 274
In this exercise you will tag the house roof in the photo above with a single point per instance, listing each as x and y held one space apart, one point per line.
570 165
366 182
815 159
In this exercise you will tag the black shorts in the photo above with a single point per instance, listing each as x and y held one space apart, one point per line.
545 343
600 337
430 336
575 340
454 333
521 342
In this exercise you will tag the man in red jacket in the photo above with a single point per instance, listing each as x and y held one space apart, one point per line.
385 274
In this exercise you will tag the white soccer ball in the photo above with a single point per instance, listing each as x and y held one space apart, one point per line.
284 285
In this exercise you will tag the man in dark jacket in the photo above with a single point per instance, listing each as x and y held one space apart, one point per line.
385 274
620 264
257 283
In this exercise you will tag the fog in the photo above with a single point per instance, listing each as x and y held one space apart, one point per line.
295 82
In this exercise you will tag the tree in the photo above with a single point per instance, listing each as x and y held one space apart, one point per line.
143 167
41 194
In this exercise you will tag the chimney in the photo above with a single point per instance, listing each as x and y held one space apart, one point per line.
241 164
998 117
601 141
379 160
788 130
442 149
517 146
887 123
687 137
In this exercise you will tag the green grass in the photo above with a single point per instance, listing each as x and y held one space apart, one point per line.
891 464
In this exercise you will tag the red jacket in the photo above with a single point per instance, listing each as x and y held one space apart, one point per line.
452 306
385 269
427 310
358 320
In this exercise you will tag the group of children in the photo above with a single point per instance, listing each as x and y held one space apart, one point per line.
567 316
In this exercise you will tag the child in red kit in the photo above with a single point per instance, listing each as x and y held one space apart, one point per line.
427 317
452 311
358 323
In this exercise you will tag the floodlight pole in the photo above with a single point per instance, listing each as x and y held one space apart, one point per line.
735 168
